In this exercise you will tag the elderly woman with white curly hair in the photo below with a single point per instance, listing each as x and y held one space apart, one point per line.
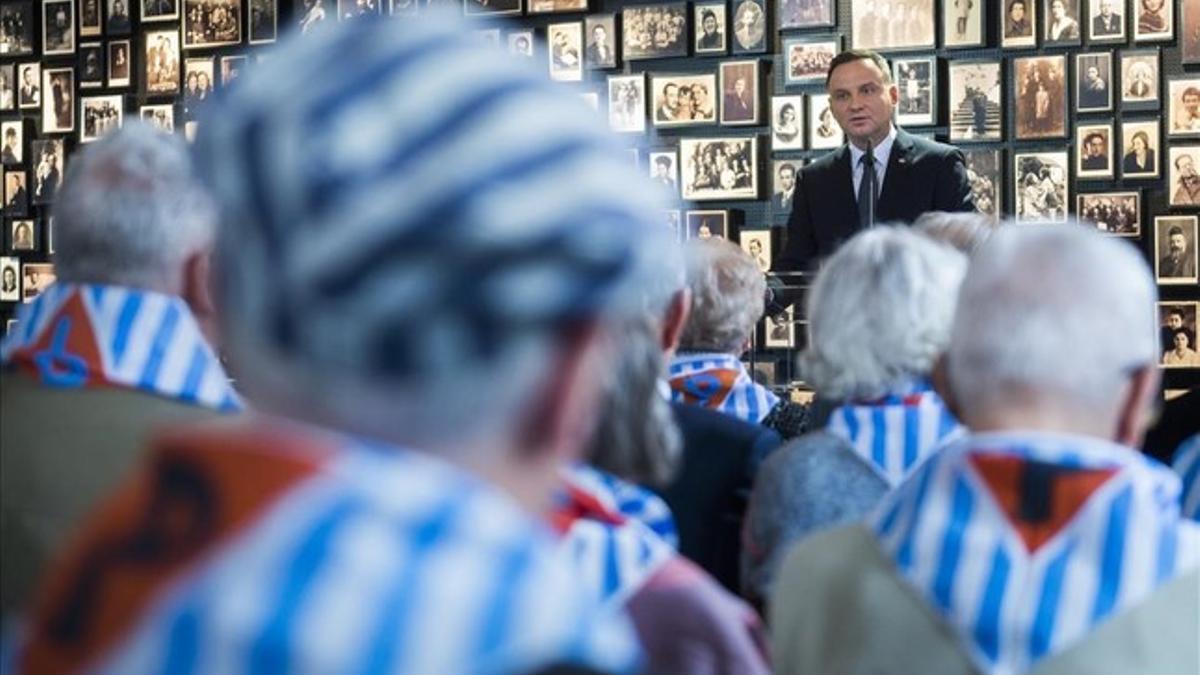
727 289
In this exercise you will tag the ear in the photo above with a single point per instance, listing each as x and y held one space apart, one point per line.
894 93
196 291
675 319
1137 406
941 384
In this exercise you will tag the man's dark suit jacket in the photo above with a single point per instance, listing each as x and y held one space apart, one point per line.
709 494
1112 27
921 176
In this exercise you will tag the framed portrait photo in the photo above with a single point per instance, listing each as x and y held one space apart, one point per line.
664 169
91 69
161 63
161 116
58 27
1117 213
1094 151
1154 20
739 93
215 23
17 37
1183 187
58 103
1062 23
159 10
16 194
263 22
557 6
119 63
962 23
1106 21
38 277
757 245
718 168
10 280
117 17
711 28
12 142
1140 149
566 51
490 7
683 100
885 25
1018 24
806 13
600 33
627 103
808 58
90 24
1093 82
1041 186
101 115
29 85
706 224
784 173
1175 259
985 173
1189 38
976 102
823 130
22 235
520 43
749 26
674 221
1140 79
654 31
48 162
310 14
1177 324
199 78
8 78
231 68
916 78
1183 113
779 330
787 122
1040 97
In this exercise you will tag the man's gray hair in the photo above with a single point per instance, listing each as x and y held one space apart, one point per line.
130 211
879 313
727 296
966 232
1059 309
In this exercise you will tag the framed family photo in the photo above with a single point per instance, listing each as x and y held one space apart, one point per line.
627 103
1140 149
808 58
683 100
1140 79
1040 97
211 23
654 31
806 13
739 93
1117 213
719 168
976 102
787 122
916 78
1041 186
1093 82
1183 112
161 62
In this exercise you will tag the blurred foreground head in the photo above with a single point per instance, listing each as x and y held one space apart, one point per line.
422 239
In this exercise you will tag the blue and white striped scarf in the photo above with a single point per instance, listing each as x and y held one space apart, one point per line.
719 382
631 501
1013 605
895 433
1187 464
88 335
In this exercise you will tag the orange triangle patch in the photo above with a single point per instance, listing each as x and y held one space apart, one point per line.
709 387
66 353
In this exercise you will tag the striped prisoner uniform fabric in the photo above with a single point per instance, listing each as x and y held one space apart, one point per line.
1024 543
271 547
631 501
895 433
719 382
1187 464
89 335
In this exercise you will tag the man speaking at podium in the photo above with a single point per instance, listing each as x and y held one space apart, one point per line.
836 196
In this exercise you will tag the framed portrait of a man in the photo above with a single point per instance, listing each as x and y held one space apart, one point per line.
161 63
1183 113
787 122
119 63
806 13
49 166
101 115
1155 20
808 59
683 100
1183 188
749 26
263 22
10 280
29 85
566 51
1093 82
739 93
1040 96
1140 149
90 24
1041 185
1116 213
16 194
1189 35
718 168
985 173
706 224
1177 324
1094 151
58 103
1140 79
600 32
1018 24
215 23
1106 21
916 78
885 25
17 37
1175 260
823 130
976 102
1062 23
783 187
712 28
58 27
962 23
627 103
159 10
757 245
12 138
654 31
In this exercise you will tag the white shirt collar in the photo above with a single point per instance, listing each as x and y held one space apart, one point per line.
883 151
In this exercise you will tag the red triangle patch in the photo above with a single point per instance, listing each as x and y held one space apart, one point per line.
710 387
66 353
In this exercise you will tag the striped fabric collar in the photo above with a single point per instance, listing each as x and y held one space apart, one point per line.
86 335
1025 542
719 382
895 433
1187 464
631 501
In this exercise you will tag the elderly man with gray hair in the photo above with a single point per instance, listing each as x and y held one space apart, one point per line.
121 344
1042 541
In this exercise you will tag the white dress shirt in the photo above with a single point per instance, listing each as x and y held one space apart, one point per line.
882 152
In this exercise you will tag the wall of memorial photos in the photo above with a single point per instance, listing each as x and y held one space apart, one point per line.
1063 108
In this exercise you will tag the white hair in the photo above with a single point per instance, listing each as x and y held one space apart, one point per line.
880 312
727 296
130 212
966 232
1058 309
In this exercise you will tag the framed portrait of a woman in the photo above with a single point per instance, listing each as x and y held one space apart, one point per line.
787 122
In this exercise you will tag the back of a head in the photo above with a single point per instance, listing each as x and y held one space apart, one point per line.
879 313
1050 313
727 296
130 211
403 254
967 232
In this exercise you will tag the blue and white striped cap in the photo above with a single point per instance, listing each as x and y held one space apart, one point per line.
398 197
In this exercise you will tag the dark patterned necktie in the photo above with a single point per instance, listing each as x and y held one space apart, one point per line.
867 191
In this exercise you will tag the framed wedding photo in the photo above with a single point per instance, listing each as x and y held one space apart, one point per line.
808 59
1183 188
1094 151
1041 186
739 93
1040 97
885 25
962 23
976 102
1183 111
1140 149
1018 24
1106 21
719 168
654 31
1093 82
627 103
683 100
1116 213
806 13
711 28
916 78
787 122
1140 79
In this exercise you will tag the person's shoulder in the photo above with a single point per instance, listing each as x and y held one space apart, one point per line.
824 163
926 146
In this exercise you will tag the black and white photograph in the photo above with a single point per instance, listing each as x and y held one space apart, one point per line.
90 24
231 68
985 174
976 102
58 105
806 13
566 51
119 68
349 10
823 130
161 116
1094 151
160 10
198 85
1117 213
162 63
1155 20
739 93
1018 21
711 28
1183 185
892 24
627 103
1177 324
1189 32
10 281
311 15
1106 21
48 167
1040 97
674 221
22 235
101 116
808 59
117 21
520 43
749 26
16 28
557 6
664 169
12 142
654 31
91 65
707 224
1062 23
1139 79
16 194
783 187
718 168
1183 112
916 78
1041 186
1093 82
58 27
1140 149
264 22
780 329
8 86
489 7
683 100
787 122
38 277
962 23
1175 259
213 23
600 31
757 245
488 36
29 85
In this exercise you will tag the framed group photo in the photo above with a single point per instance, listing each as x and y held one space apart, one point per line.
1117 213
885 25
718 168
808 59
806 13
101 115
654 31
976 102
683 100
161 63
916 78
1040 97
1041 186
17 37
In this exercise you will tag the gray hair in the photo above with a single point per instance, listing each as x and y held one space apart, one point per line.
966 232
130 211
727 296
880 312
1059 309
